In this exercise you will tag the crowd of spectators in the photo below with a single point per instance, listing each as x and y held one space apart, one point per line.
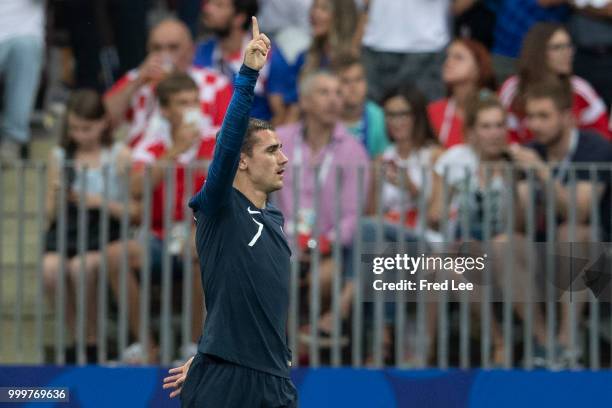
407 90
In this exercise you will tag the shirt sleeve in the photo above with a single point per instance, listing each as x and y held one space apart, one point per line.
215 192
377 127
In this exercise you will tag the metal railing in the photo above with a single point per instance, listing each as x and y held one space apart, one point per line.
402 329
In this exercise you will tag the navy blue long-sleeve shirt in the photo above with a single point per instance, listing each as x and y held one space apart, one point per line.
244 256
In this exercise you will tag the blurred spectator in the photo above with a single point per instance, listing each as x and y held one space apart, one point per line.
86 146
132 98
108 38
22 25
363 118
466 71
486 147
333 25
591 29
558 141
548 54
473 170
514 19
334 33
230 20
321 141
404 42
184 145
414 149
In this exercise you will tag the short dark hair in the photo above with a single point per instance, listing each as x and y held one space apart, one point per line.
559 91
173 84
255 125
249 8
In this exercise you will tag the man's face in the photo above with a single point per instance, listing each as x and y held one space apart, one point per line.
172 42
545 120
353 86
265 165
218 16
178 104
323 102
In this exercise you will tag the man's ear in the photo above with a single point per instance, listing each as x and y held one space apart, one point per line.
242 164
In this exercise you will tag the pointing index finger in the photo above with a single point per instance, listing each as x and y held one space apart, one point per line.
255 27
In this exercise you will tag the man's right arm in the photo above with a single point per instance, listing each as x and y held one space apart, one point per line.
218 186
216 190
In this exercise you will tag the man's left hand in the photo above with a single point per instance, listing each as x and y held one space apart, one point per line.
177 379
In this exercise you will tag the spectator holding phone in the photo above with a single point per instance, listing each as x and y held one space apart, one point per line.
414 149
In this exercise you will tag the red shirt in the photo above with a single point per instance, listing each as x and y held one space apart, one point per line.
446 124
588 108
215 94
149 153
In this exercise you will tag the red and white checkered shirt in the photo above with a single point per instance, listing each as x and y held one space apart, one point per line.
149 151
215 94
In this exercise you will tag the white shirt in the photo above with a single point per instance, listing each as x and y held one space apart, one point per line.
21 18
459 159
276 15
405 26
392 196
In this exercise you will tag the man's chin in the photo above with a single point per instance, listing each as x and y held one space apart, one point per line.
276 187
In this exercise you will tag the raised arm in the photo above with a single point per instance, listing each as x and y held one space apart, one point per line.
216 190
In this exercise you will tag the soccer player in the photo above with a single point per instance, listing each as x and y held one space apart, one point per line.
243 359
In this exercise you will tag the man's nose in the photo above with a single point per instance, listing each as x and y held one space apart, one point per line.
283 159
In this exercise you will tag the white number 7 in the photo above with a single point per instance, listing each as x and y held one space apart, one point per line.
258 234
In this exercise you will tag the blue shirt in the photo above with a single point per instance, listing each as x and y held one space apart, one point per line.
244 256
274 78
515 18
